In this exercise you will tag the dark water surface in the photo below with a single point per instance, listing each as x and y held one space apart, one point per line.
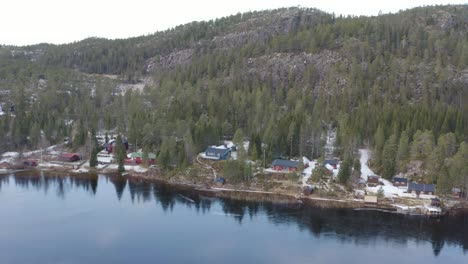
114 220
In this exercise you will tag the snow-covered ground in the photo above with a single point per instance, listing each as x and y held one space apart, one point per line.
330 142
136 168
307 171
388 188
9 156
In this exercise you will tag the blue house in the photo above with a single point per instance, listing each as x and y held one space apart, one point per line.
418 188
217 153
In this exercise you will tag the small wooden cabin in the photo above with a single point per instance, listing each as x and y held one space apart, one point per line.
400 182
373 180
435 202
69 157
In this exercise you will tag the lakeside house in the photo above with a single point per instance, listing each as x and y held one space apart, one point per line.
373 180
4 165
458 193
421 188
400 182
111 145
285 165
137 157
217 153
332 162
69 157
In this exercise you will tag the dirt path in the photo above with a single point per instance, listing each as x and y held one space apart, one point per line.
207 166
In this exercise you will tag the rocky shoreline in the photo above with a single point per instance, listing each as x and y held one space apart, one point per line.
245 194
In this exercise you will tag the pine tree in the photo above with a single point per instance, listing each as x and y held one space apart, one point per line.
403 151
120 153
388 158
345 171
93 162
238 140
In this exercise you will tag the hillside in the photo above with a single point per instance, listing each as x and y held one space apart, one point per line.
396 82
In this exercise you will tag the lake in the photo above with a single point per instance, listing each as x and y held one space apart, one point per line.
104 219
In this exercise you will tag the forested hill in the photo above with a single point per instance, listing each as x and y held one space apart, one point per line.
275 76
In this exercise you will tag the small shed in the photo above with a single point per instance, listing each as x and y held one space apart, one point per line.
421 188
307 189
400 181
285 165
370 199
373 180
69 157
458 193
220 181
435 202
217 153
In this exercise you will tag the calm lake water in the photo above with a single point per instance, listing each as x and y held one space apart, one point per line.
114 220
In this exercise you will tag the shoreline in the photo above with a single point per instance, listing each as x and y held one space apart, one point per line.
248 195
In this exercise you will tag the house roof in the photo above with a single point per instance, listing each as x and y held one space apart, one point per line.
373 177
285 163
400 179
331 161
412 186
216 150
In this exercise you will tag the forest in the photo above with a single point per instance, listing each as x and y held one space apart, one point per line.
395 83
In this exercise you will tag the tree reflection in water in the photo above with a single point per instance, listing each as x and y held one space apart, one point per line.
350 226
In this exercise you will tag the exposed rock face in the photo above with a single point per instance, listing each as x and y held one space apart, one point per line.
259 30
170 61
282 68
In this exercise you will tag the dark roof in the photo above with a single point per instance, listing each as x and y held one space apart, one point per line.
331 161
400 179
68 155
285 163
216 151
421 187
373 177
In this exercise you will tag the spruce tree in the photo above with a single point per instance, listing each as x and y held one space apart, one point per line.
120 153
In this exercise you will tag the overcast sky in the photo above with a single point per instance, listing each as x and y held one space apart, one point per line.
24 22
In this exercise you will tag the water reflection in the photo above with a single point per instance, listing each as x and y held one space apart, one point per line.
349 226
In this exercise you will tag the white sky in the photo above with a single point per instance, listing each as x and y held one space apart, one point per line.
24 22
